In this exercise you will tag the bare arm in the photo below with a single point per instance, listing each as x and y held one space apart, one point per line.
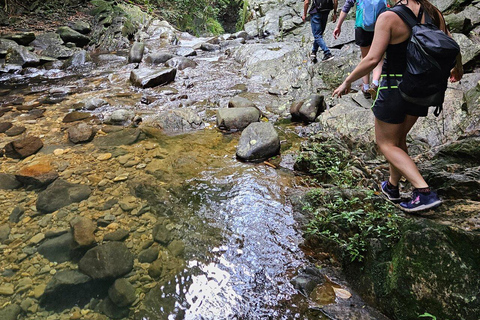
381 39
306 4
335 6
338 28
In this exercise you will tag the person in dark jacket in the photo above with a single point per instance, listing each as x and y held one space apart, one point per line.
318 22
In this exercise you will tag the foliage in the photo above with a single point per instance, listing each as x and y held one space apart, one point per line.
351 222
200 17
244 16
327 162
428 315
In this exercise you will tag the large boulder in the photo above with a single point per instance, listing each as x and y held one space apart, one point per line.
23 57
108 261
308 109
136 52
148 78
236 118
22 38
60 194
181 63
177 121
37 175
69 35
258 142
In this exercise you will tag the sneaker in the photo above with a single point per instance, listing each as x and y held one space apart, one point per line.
391 194
421 202
313 57
366 93
373 91
327 57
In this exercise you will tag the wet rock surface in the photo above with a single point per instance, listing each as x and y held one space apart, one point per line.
134 184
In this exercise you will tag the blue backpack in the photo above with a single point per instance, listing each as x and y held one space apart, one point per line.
368 12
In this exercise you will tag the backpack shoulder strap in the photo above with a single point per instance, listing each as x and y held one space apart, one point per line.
406 14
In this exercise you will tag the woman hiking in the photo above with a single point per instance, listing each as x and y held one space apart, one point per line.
394 117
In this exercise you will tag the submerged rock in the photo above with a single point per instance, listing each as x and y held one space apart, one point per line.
258 142
9 182
37 175
81 132
23 148
60 194
108 261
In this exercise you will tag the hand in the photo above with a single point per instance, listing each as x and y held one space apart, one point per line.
304 18
336 32
344 88
334 17
456 74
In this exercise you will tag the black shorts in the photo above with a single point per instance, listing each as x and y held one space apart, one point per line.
390 107
363 38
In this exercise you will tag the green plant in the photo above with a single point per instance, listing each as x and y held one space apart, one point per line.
244 16
351 222
427 315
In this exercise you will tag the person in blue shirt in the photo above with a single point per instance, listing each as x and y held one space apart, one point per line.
364 40
318 22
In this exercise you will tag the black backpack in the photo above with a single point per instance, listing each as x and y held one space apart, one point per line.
323 5
431 54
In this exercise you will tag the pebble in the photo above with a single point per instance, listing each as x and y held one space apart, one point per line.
39 290
104 156
36 239
121 177
58 152
6 290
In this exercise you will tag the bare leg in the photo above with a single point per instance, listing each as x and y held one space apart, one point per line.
364 51
391 139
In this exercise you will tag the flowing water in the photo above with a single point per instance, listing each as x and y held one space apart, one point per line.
242 242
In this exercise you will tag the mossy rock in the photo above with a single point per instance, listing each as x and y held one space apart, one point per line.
433 268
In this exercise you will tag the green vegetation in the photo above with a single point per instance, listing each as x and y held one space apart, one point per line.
351 222
199 17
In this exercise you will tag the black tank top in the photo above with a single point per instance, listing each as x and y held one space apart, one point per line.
396 58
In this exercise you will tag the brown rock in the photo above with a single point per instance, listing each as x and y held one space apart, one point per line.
15 131
76 116
83 231
37 175
4 126
23 148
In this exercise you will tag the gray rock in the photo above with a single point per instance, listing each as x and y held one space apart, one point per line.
209 47
470 50
93 103
158 57
346 36
240 102
149 255
111 310
241 34
22 38
83 231
9 182
57 249
179 120
122 293
11 312
176 247
16 214
443 5
307 280
22 57
236 118
120 116
69 35
60 194
80 133
181 63
161 234
148 78
78 59
259 141
124 137
107 261
47 39
4 232
308 109
136 52
81 26
186 52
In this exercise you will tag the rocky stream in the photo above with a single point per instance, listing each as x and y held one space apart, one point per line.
150 174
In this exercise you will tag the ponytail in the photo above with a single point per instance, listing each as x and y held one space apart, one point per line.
434 13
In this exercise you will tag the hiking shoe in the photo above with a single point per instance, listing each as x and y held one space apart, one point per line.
391 194
313 57
327 57
373 91
366 93
420 201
